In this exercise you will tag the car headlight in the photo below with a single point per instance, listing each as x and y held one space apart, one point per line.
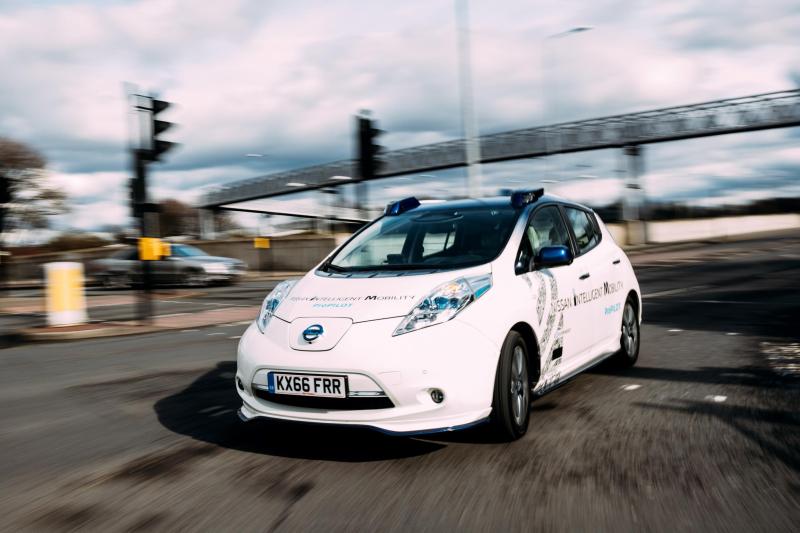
271 302
215 268
444 303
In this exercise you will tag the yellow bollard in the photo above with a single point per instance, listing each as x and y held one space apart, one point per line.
65 299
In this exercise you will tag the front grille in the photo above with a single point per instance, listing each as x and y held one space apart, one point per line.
338 404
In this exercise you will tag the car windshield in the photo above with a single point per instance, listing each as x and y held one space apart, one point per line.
184 250
428 240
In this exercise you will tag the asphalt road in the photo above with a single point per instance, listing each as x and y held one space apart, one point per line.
140 433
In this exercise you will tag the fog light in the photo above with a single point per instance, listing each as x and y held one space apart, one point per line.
239 384
437 396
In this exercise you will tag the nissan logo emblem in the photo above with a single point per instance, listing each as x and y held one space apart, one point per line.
313 332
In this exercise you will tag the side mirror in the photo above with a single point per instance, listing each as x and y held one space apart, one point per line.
553 256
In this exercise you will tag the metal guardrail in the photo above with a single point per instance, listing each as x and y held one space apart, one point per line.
720 117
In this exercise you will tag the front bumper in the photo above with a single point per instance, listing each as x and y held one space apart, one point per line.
454 357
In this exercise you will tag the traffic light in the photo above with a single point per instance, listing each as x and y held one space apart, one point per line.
157 127
369 163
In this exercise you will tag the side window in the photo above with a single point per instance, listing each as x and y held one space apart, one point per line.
126 255
547 228
586 234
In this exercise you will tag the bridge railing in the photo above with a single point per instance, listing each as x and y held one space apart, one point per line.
720 117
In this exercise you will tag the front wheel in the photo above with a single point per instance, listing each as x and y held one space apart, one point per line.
117 280
512 390
195 278
629 337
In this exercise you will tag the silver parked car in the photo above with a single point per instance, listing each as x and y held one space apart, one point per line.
187 265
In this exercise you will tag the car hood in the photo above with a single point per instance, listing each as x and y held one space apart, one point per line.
364 298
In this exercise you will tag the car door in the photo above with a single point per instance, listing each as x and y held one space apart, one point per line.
552 288
591 275
609 265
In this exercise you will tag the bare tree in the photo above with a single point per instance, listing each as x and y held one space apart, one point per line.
178 218
25 199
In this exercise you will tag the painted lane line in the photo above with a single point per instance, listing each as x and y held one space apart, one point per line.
673 291
732 333
189 330
220 333
234 337
715 398
732 302
631 387
675 330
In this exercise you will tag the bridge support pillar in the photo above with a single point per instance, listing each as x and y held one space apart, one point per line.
206 222
633 197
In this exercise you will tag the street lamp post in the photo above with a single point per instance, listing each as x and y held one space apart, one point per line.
468 121
545 96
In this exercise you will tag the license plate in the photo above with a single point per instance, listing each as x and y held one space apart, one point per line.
307 385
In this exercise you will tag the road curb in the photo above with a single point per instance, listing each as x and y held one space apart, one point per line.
30 335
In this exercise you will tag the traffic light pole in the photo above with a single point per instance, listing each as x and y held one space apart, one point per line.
145 301
149 150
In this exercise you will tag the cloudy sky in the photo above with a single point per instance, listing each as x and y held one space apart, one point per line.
284 79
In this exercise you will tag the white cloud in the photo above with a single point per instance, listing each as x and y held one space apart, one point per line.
285 79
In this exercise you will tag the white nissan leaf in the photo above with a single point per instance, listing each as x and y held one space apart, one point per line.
440 316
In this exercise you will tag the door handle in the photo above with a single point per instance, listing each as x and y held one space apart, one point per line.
585 276
616 261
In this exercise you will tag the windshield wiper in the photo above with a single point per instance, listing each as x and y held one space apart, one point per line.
330 267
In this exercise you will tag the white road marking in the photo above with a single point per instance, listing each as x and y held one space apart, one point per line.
170 315
220 333
235 337
631 387
732 333
673 291
716 399
189 330
212 408
720 302
675 330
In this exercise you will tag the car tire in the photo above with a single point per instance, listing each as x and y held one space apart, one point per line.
512 390
630 336
195 278
119 280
